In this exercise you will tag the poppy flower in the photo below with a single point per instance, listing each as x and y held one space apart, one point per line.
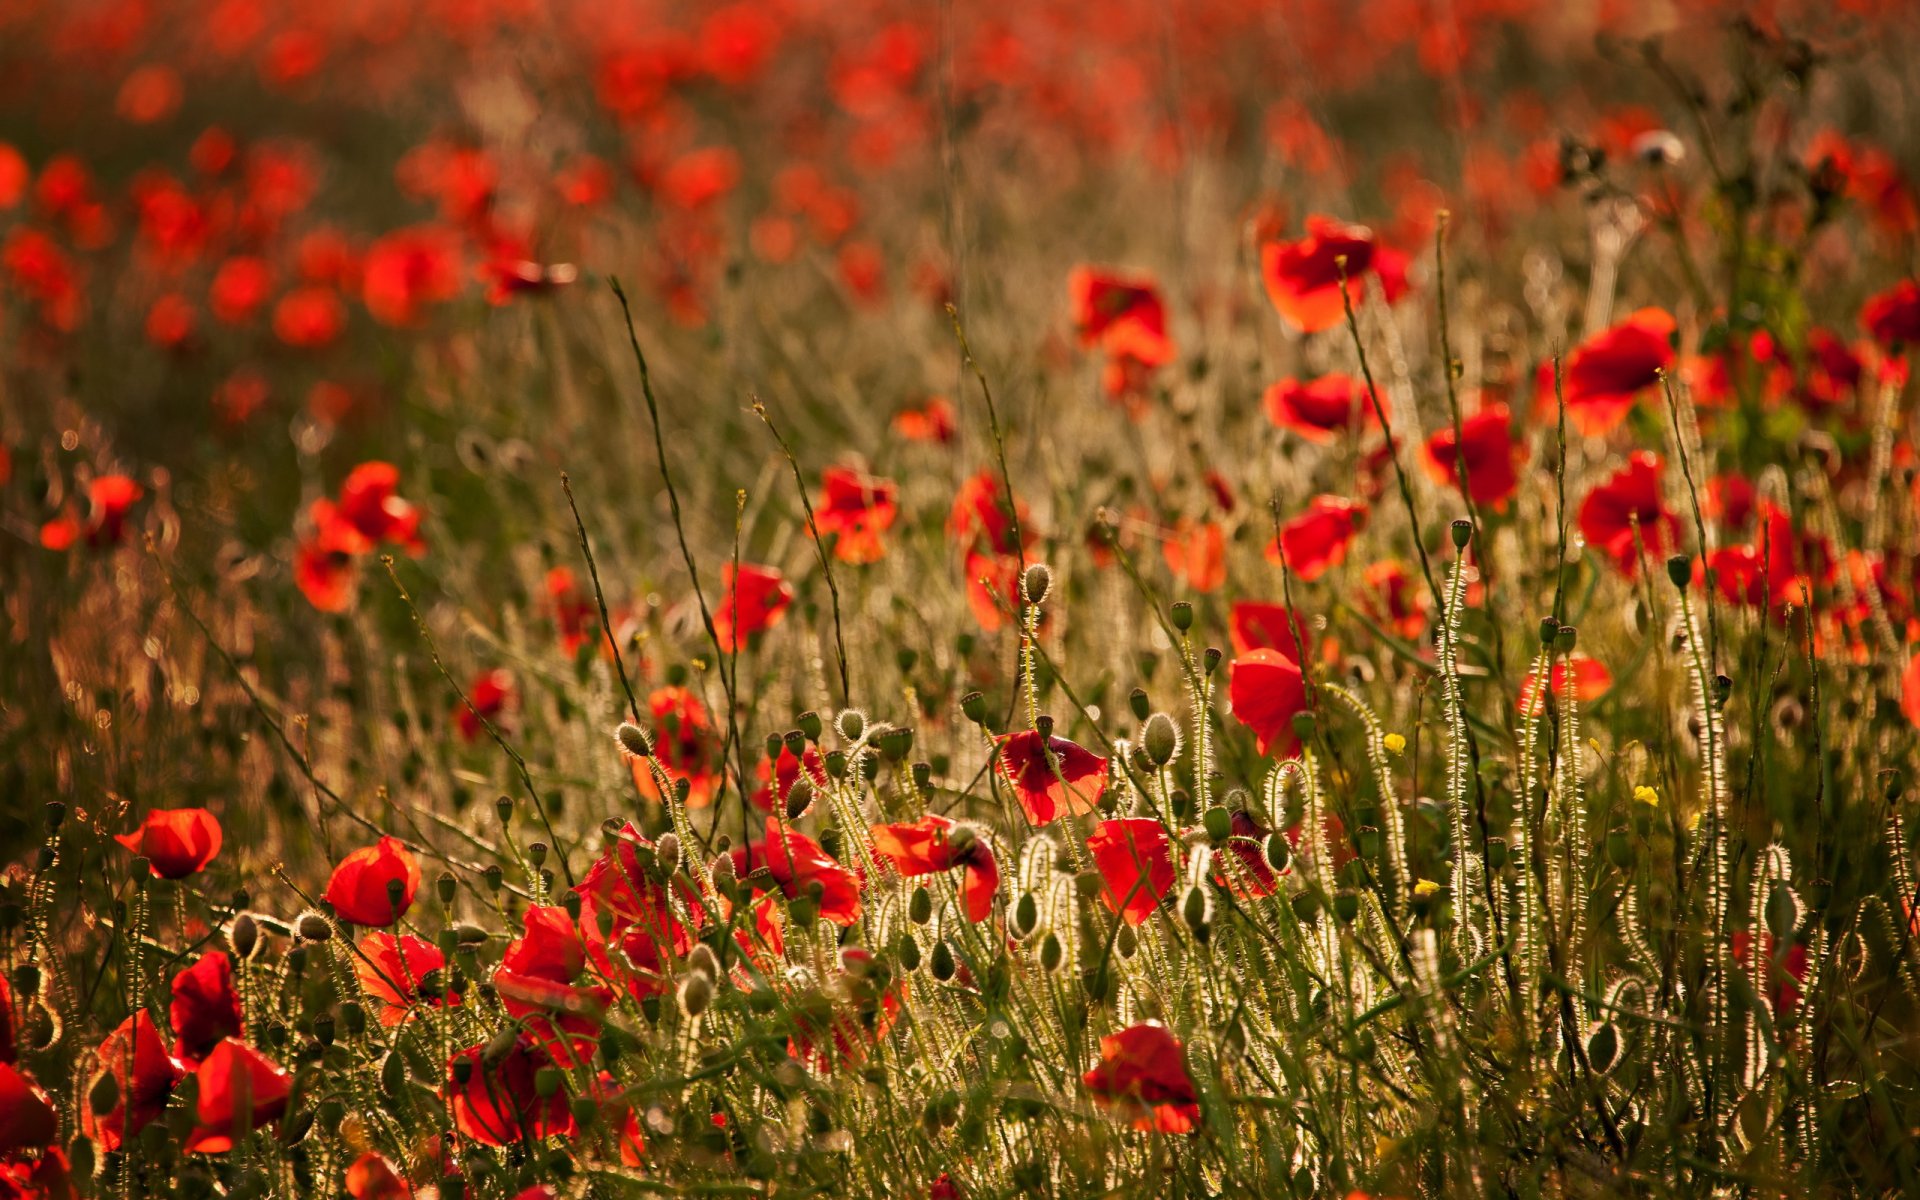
500 1102
1834 369
1256 624
1196 551
1121 314
369 502
205 1007
239 289
1247 843
754 600
1489 451
1630 500
1893 316
1135 862
27 1117
934 844
1321 409
1788 971
309 317
992 587
240 1090
642 920
491 693
372 1177
1750 576
324 564
403 972
1052 777
794 861
780 774
1303 276
1142 1074
1910 690
684 746
406 272
857 509
375 884
176 842
932 422
144 1073
574 611
1607 372
544 980
1389 596
981 516
1587 679
108 499
1316 541
854 1010
1267 691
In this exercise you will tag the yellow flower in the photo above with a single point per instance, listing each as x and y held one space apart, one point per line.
1425 888
1646 795
1395 743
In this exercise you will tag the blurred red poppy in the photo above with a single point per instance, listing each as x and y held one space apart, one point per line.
1893 316
176 842
1910 690
753 602
500 1104
205 1007
144 1074
1303 276
407 271
981 516
108 499
1766 571
1489 456
1052 777
778 776
240 289
1389 596
1585 676
240 1090
375 884
1135 861
370 503
491 693
1254 624
27 1117
1316 541
932 422
403 973
372 1177
992 581
1142 1074
857 508
1629 502
934 844
684 746
1607 372
544 980
1267 691
309 317
1196 551
1247 844
574 611
1121 314
793 862
1321 409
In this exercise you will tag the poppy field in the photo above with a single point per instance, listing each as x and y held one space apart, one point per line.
772 598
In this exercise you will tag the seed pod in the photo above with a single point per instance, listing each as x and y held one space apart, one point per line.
1218 822
1026 916
974 706
586 1110
445 886
1088 884
920 905
836 761
1603 1047
56 815
244 936
942 963
1182 615
1196 909
1462 531
315 928
922 775
796 742
774 742
696 993
852 724
1052 952
909 952
1566 638
323 1029
1680 571
1137 700
393 1075
503 809
809 725
1549 630
634 740
804 911
546 1082
896 742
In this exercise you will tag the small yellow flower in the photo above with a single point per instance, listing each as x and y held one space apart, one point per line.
1646 795
1425 888
1395 743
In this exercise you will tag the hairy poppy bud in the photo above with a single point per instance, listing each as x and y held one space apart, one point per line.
1680 570
909 952
1182 615
920 906
314 928
667 849
634 740
1036 582
799 798
1126 942
1052 952
1462 532
1783 912
1026 915
1196 909
942 962
809 724
1218 822
1160 738
1137 699
852 724
696 993
244 936
703 960
722 871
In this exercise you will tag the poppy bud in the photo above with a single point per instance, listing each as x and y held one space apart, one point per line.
56 815
920 906
702 959
1496 852
244 936
26 979
1680 570
1182 615
314 928
852 724
586 1110
1138 700
393 1074
942 963
1052 952
1303 725
1088 884
462 1071
1619 849
323 1029
974 706
1218 822
1603 1047
1026 915
696 993
722 871
682 788
804 911
909 952
1278 852
809 723
1160 738
1346 904
799 798
1036 582
1182 805
1783 912
1462 532
546 1082
1196 909
1097 984
634 740
1126 942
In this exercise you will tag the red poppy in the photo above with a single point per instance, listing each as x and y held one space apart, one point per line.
399 971
1321 409
1389 596
323 566
144 1073
205 1007
108 499
1121 314
1750 576
643 921
491 693
852 1012
1490 455
240 1090
1630 500
1910 690
27 1117
573 610
1729 498
1255 624
684 746
793 862
1136 866
309 317
1893 316
934 844
239 289
176 842
543 979
857 508
407 271
500 1102
981 516
372 1177
370 504
1052 777
1267 691
1788 971
992 587
1604 374
1247 843
932 422
1303 277
753 602
780 774
1143 1075
1585 676
374 885
1316 541
1197 552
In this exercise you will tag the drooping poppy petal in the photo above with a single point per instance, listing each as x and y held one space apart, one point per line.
1303 277
205 1006
1052 777
144 1075
240 1090
935 843
1322 409
1255 624
1142 1074
404 972
1135 861
176 842
499 1104
793 861
376 884
1267 691
28 1120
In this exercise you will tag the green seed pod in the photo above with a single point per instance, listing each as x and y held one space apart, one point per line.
393 1075
503 809
974 706
1026 916
1303 725
836 761
1088 884
1565 639
315 928
1218 822
1680 571
804 911
1210 659
1496 853
895 742
56 815
920 906
1196 909
1346 905
774 742
1182 615
1549 630
796 742
809 725
909 952
923 775
1097 984
446 887
942 963
1462 531
1137 700
546 1082
586 1111
1052 952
